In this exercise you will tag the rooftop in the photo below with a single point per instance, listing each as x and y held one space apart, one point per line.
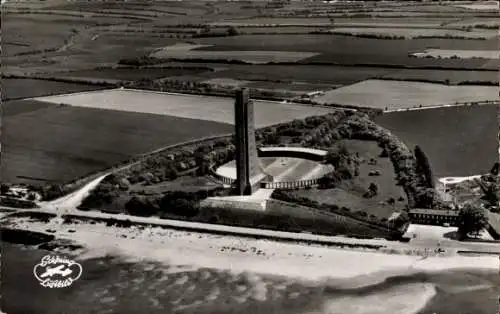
318 152
434 212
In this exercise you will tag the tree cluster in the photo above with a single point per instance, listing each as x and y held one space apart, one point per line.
359 126
172 204
346 166
471 221
291 197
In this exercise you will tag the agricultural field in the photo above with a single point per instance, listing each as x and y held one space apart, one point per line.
13 88
323 77
349 50
459 141
409 33
227 82
209 108
186 52
274 21
134 74
350 192
394 95
297 87
15 107
451 77
442 22
476 22
314 74
24 36
76 38
61 143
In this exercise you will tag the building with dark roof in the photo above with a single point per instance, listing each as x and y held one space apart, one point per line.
433 216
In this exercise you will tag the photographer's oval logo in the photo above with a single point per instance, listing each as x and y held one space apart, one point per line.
57 272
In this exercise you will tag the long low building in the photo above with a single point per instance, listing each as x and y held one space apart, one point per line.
293 152
433 216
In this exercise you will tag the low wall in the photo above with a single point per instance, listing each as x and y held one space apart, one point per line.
221 178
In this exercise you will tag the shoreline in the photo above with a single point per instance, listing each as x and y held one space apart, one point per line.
342 277
246 254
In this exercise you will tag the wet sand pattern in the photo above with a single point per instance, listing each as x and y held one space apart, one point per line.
112 285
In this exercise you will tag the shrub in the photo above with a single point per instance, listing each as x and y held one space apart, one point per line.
139 206
4 189
232 31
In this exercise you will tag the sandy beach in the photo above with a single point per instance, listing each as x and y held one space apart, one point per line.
311 266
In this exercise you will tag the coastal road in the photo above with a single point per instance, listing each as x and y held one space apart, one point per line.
424 245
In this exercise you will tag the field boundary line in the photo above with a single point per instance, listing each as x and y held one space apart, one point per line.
38 98
460 104
227 96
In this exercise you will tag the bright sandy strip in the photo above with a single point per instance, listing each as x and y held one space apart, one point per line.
185 51
219 109
462 54
400 95
490 5
413 32
455 180
310 263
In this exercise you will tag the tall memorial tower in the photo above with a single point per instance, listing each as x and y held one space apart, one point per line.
249 172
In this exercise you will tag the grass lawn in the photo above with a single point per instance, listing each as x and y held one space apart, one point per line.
350 193
58 144
184 184
459 141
